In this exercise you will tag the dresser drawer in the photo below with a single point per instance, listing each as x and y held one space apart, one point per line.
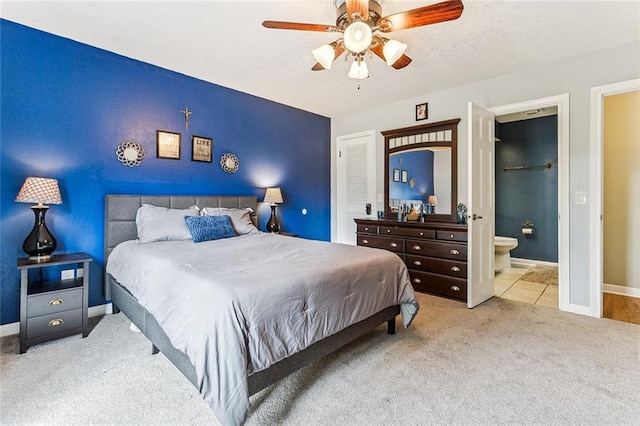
440 285
408 232
452 268
391 244
451 235
438 249
54 323
57 301
370 229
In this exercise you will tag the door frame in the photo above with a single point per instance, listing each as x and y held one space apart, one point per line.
562 104
596 256
339 176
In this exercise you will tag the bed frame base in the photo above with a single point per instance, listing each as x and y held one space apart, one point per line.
125 301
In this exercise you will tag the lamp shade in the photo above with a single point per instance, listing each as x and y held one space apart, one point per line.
357 36
359 69
273 196
39 190
432 200
393 50
324 55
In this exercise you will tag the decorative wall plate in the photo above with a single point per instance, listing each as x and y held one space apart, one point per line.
412 183
229 163
130 153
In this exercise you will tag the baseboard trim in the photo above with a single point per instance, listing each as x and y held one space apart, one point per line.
14 327
581 310
533 262
621 290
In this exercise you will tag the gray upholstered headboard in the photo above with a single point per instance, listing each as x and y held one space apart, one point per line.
120 212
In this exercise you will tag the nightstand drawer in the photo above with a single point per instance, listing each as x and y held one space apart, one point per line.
54 323
391 244
441 285
453 268
58 301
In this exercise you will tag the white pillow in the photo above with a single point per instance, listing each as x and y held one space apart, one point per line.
240 218
163 224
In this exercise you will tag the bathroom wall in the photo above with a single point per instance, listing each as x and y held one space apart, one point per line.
528 194
621 197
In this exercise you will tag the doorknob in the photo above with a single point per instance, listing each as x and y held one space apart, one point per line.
475 216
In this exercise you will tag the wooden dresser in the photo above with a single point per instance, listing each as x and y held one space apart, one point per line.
435 253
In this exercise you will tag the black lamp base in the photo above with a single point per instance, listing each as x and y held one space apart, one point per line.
273 225
40 243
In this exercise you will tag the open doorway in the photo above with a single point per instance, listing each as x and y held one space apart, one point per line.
556 107
526 206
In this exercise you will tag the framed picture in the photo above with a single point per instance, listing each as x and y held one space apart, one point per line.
168 144
405 176
201 148
422 111
396 175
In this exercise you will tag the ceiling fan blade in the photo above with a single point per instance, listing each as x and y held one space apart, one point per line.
360 6
402 62
338 48
281 25
439 12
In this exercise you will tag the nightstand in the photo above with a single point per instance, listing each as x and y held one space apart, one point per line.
53 309
288 234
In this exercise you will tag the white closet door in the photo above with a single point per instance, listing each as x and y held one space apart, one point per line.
356 184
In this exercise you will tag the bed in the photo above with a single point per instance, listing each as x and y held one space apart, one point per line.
215 309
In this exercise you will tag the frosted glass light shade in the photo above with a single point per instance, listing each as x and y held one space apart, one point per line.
324 55
359 70
357 36
393 50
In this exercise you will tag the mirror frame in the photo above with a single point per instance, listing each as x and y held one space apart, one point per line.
451 125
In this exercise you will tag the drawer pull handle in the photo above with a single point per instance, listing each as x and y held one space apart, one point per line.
416 247
56 322
421 234
455 269
454 251
388 231
451 236
55 302
417 263
394 245
365 241
417 280
366 228
455 288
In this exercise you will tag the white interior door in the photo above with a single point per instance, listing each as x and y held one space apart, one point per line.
481 207
356 184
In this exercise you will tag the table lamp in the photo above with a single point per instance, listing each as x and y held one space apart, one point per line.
273 196
40 243
432 201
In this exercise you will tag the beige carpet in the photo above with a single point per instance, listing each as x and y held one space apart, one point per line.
502 362
542 274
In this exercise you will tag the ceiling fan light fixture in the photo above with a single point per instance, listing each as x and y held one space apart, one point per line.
357 36
324 55
393 50
359 69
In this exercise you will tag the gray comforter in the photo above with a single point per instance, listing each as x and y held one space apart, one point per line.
238 305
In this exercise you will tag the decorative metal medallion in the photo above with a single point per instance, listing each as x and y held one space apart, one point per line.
412 183
130 153
229 163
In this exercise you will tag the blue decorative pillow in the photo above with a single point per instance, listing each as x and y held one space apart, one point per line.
206 228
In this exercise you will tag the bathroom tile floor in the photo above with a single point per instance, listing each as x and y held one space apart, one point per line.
509 285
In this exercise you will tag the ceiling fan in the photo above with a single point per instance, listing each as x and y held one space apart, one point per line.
359 22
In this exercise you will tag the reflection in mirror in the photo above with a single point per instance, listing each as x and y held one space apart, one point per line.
430 170
421 171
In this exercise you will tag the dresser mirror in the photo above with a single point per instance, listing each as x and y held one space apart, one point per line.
421 173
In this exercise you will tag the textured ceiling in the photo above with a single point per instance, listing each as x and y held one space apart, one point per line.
223 42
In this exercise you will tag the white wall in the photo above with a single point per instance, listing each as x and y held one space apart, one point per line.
575 76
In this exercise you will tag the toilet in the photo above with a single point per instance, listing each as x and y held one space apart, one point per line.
503 246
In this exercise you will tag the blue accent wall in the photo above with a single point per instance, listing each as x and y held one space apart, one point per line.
530 194
65 108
